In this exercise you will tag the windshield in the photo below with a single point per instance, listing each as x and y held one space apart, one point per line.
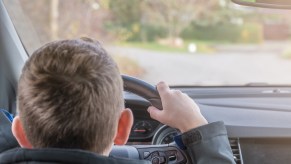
185 42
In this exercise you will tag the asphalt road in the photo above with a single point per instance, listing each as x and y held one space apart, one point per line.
229 68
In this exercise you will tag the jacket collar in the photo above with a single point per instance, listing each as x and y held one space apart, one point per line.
59 156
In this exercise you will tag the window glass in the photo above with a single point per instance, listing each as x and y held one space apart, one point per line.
185 42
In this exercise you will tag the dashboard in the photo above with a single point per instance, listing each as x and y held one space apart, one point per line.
258 120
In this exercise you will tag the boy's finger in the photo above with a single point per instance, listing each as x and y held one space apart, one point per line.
155 113
162 88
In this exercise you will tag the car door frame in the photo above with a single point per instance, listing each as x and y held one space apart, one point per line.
12 56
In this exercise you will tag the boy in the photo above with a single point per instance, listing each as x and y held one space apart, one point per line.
70 96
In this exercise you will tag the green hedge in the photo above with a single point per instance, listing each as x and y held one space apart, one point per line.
148 34
247 33
136 32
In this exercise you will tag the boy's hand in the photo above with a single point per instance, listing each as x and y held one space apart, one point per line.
179 110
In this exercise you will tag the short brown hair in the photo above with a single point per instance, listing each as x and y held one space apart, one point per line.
70 95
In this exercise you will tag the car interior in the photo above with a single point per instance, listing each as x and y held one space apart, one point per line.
257 116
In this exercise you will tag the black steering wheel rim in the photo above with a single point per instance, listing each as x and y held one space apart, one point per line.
142 89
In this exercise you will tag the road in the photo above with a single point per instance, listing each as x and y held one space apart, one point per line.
231 68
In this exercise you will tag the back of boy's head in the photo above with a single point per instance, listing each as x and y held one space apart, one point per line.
70 96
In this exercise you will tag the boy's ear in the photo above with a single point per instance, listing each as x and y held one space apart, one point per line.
19 133
124 127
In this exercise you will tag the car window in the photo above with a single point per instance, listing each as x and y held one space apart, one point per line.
185 42
7 92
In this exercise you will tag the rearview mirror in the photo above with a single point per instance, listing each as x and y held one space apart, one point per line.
278 4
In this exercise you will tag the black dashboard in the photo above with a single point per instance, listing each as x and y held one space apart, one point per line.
258 120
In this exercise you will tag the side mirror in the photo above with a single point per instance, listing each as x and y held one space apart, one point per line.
277 4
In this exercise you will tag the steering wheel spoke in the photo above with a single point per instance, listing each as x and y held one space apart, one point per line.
161 153
157 154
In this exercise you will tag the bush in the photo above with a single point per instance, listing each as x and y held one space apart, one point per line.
135 32
287 53
148 33
152 33
251 33
247 33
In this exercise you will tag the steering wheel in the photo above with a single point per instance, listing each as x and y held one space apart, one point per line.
169 153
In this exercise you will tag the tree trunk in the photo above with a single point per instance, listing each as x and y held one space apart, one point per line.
54 19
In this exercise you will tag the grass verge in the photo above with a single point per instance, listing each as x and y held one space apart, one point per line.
128 66
202 47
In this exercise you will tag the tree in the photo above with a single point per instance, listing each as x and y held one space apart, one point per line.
54 15
125 19
175 15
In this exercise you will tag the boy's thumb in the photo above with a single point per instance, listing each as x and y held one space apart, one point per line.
155 113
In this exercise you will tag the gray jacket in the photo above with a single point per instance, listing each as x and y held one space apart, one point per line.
206 144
